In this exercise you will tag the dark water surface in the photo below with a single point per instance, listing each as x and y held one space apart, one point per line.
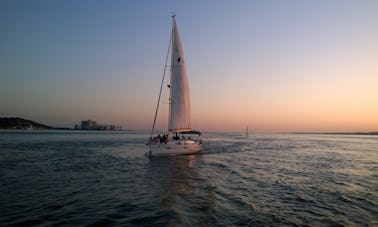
103 178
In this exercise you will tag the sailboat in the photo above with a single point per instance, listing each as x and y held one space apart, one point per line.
180 138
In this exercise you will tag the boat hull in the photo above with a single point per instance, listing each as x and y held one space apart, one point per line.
162 149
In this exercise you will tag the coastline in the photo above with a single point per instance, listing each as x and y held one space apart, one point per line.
339 133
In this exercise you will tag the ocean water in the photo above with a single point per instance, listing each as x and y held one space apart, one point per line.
73 178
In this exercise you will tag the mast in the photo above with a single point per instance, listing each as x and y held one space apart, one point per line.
170 81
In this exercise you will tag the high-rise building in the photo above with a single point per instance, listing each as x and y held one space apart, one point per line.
89 125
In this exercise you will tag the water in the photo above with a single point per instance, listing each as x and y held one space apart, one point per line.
103 178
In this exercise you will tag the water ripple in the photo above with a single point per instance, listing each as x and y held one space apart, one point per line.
103 179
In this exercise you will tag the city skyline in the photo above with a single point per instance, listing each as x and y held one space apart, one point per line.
273 66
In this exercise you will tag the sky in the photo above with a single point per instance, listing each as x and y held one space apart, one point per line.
274 66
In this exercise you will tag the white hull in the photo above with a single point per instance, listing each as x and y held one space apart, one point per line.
162 149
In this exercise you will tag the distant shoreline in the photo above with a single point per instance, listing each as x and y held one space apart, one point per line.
16 123
338 133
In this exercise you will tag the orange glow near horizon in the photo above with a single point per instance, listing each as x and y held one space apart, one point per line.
340 105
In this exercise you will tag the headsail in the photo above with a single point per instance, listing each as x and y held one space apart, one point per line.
179 111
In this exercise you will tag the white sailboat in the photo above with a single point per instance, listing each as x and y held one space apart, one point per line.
180 138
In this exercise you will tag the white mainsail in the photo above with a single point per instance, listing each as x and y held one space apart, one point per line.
179 109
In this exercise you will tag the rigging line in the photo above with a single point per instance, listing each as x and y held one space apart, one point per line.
161 86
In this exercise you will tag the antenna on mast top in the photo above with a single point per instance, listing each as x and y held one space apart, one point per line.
173 15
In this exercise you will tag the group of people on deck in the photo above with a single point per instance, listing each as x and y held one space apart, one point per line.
164 138
159 138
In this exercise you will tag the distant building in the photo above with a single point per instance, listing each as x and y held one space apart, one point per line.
92 125
89 125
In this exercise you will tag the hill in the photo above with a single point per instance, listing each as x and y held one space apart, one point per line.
19 123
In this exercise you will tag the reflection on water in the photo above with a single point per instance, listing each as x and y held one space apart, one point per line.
177 187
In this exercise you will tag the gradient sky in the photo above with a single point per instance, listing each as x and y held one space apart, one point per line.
276 66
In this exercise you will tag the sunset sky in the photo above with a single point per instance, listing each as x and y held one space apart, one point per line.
274 66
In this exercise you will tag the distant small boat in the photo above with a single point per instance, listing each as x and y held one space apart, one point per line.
178 139
247 132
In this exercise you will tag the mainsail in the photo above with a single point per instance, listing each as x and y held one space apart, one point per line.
179 109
